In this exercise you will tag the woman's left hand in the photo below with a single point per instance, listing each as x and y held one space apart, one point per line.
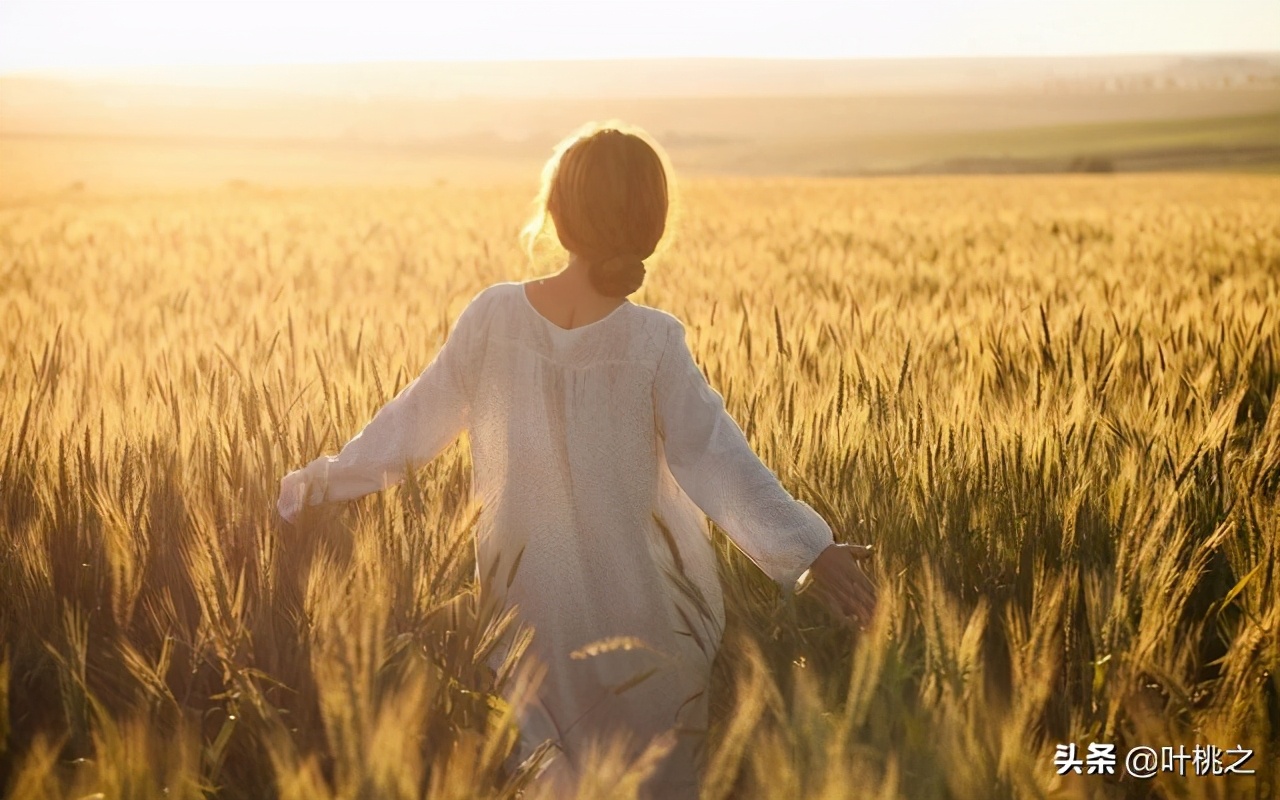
841 583
293 488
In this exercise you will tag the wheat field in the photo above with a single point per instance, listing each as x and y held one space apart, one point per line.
1049 402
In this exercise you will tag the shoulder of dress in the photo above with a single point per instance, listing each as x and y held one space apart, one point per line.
483 300
662 330
661 320
491 291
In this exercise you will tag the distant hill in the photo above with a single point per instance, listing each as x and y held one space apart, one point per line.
411 121
538 102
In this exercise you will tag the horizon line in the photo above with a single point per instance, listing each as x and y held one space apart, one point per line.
105 68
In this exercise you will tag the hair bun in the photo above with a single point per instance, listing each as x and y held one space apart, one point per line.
618 276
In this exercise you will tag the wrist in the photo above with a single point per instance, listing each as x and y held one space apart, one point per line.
315 477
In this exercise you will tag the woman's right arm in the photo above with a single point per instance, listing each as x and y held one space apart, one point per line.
406 433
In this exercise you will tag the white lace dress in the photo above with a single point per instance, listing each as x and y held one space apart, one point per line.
596 451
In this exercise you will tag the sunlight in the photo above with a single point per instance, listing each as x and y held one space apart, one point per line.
63 36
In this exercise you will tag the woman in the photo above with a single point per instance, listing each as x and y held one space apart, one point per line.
597 447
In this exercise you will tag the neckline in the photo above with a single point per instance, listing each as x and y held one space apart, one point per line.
553 326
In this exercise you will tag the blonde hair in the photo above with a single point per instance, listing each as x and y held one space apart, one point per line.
606 191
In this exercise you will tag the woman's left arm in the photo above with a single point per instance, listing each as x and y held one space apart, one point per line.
710 457
406 433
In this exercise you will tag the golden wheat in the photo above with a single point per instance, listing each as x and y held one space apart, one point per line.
1050 402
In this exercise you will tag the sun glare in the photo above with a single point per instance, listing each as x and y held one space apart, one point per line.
78 36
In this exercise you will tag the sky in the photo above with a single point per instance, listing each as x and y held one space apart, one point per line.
58 35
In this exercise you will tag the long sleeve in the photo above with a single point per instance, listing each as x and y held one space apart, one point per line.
406 433
711 459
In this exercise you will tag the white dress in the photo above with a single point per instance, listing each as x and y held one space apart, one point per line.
596 451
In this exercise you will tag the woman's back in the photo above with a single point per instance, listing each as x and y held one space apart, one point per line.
568 468
564 438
